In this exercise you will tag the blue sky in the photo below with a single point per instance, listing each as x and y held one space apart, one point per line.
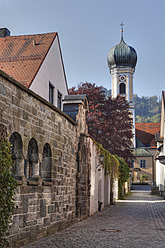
89 28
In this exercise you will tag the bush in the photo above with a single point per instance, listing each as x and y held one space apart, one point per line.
143 178
123 175
7 186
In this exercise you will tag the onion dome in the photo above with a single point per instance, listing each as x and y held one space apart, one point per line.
122 55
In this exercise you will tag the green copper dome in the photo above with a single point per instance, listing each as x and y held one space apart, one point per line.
122 55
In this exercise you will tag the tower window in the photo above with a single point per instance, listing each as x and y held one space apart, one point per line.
122 88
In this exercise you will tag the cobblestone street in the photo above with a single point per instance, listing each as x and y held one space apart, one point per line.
138 221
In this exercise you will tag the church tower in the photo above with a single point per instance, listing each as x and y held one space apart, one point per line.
122 61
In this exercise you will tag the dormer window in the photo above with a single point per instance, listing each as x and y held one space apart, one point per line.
122 88
51 93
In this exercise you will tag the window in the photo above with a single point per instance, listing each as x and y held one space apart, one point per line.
131 164
51 93
142 163
46 165
17 152
33 158
122 89
59 100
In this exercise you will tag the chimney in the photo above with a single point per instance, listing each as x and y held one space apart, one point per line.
4 32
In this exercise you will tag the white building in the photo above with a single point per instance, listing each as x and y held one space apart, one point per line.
36 62
160 158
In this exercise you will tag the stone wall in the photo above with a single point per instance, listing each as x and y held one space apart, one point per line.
55 164
44 143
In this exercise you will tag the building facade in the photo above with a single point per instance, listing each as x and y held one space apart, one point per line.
146 145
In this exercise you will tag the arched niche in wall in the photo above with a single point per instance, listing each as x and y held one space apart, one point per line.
122 88
33 159
46 163
17 152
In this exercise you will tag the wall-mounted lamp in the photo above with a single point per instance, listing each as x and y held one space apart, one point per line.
101 160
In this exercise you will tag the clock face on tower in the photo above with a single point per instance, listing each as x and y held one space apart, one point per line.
122 78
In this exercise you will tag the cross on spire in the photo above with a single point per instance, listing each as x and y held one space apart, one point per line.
121 30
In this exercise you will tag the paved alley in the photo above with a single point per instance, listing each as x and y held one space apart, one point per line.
138 221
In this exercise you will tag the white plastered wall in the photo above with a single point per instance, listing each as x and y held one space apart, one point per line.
160 168
94 179
160 173
52 71
107 190
115 190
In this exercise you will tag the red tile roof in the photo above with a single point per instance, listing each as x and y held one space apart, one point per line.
22 56
145 133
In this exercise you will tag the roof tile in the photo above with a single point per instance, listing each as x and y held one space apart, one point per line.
145 132
22 56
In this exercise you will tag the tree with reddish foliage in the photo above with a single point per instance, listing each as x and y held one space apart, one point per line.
95 94
116 127
109 120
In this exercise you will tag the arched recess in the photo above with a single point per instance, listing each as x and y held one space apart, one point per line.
122 88
46 163
33 159
17 152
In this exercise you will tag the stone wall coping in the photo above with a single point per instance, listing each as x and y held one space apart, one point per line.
32 93
44 183
29 182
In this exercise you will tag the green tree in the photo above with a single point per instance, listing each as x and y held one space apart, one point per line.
7 186
147 109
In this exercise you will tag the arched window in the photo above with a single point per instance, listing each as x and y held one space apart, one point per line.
46 163
33 158
17 152
122 88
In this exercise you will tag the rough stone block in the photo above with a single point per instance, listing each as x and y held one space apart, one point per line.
16 220
2 89
53 217
31 223
25 115
15 111
17 211
55 143
34 111
51 209
40 123
42 208
15 100
53 117
56 206
22 221
42 108
59 128
47 221
32 216
25 203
